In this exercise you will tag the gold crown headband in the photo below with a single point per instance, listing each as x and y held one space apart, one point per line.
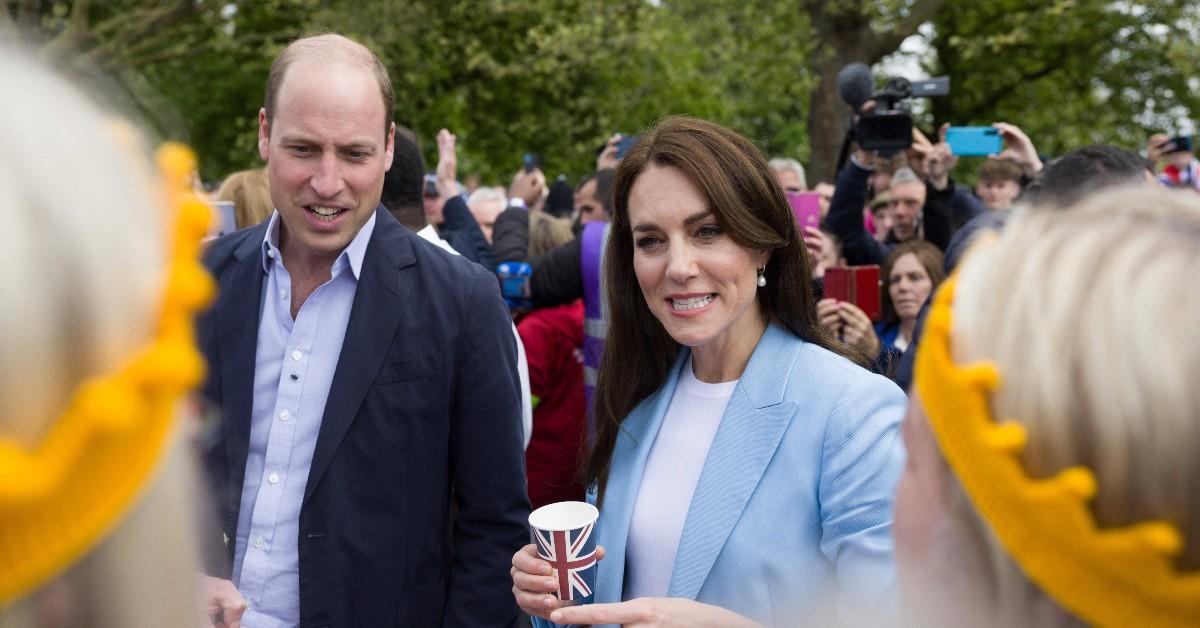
1110 577
58 499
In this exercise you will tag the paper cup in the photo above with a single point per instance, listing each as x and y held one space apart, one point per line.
563 534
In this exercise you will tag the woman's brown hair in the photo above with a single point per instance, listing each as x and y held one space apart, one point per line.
930 258
749 204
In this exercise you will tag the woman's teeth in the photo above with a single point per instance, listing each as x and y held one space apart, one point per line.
694 303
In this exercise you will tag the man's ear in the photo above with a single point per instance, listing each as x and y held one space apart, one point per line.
264 135
389 150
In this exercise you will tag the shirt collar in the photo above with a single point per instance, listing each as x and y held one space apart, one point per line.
353 254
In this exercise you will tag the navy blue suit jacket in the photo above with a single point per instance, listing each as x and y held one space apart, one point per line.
423 414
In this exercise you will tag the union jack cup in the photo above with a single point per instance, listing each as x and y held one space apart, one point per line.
564 535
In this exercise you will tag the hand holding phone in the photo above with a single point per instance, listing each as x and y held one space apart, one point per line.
859 285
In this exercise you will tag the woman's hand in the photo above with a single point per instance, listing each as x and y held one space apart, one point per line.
857 330
653 612
828 317
534 582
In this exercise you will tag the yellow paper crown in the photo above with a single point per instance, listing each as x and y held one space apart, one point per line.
60 498
1110 577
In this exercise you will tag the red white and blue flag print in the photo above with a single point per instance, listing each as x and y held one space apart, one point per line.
572 554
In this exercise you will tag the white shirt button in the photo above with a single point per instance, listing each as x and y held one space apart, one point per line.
258 541
271 253
296 355
273 478
283 294
285 415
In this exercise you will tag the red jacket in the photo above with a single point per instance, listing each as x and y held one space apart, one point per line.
553 339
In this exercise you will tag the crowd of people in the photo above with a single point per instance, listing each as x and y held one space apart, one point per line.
343 413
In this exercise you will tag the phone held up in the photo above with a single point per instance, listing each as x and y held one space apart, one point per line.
974 141
807 208
859 285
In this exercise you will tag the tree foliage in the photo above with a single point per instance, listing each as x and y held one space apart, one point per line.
557 77
1070 72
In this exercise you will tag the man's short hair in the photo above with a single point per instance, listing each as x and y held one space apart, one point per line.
994 170
787 164
329 47
404 184
904 175
1085 170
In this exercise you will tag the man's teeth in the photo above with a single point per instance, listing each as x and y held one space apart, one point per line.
693 303
325 211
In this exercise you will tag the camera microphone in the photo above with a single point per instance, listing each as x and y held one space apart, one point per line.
856 84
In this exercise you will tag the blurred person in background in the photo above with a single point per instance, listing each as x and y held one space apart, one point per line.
99 491
485 205
553 339
790 174
999 184
1183 169
1052 472
250 194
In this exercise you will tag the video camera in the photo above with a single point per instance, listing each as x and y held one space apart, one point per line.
888 128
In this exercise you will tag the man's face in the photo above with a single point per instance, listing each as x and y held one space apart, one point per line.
907 201
790 181
825 191
485 213
590 207
998 194
326 153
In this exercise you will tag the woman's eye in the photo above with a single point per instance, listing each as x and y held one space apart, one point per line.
647 242
708 231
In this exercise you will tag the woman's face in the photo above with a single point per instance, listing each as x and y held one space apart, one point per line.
698 282
908 286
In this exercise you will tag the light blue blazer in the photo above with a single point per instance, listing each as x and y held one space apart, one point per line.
791 518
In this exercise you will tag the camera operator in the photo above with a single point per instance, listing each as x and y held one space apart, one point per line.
919 209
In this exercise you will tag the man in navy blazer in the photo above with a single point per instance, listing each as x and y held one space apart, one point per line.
366 380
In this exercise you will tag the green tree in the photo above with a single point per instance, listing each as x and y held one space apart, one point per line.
1070 72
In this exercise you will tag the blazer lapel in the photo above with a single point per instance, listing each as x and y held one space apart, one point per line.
751 429
637 435
384 288
237 339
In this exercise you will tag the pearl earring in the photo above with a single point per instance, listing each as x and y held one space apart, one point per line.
762 277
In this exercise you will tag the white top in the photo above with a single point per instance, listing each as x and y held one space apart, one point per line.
672 470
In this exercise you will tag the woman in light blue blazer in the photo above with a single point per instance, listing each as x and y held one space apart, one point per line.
743 467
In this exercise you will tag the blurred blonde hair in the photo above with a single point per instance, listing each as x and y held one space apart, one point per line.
84 266
547 233
1090 315
250 193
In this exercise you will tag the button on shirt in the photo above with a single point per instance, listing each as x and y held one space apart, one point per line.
294 367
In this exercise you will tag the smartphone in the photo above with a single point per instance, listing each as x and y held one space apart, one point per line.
224 219
974 141
530 162
859 285
807 208
625 144
431 189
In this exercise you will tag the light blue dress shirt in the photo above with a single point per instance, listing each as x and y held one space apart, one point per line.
293 369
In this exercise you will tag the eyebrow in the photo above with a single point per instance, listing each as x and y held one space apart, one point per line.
353 145
689 221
